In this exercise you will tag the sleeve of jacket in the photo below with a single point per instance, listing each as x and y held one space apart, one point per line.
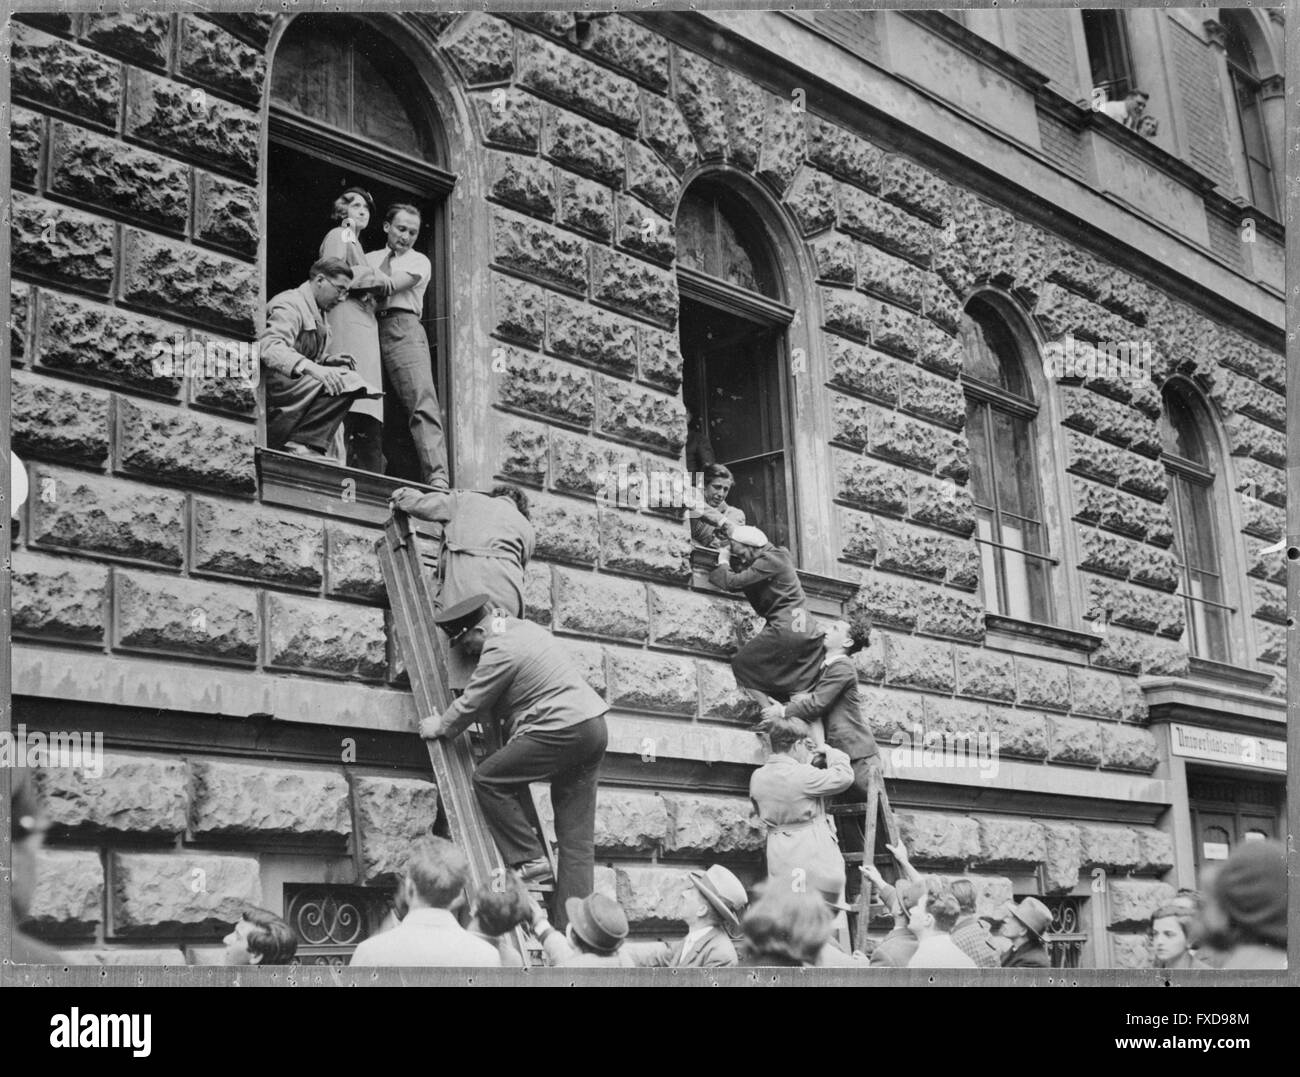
835 679
276 344
725 580
437 507
557 948
649 955
838 775
492 676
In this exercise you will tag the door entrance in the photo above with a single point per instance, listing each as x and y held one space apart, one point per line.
1229 811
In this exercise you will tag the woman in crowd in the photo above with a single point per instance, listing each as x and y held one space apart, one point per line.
713 522
1172 927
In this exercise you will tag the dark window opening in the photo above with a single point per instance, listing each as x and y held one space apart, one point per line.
1109 58
1243 70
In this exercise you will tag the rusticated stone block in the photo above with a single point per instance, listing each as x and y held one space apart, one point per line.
985 243
91 340
134 794
57 598
225 213
169 115
1092 458
1135 703
1022 734
873 486
352 565
1268 601
867 217
1064 857
52 418
1155 849
943 715
69 895
586 206
848 313
964 566
652 896
1096 693
783 147
88 512
557 24
939 302
643 415
482 48
896 331
941 504
1011 841
634 286
1134 901
833 258
519 310
643 545
1104 552
713 825
643 681
907 441
890 278
942 612
811 198
212 621
1135 607
146 39
1124 747
209 55
913 550
115 176
587 335
985 674
700 91
255 27
581 146
1112 847
65 76
527 380
1130 951
184 447
939 351
525 183
661 359
537 594
589 658
1143 477
1074 740
325 637
584 465
834 149
721 700
642 53
238 540
579 84
391 813
628 822
20 303
693 622
1042 684
896 718
889 600
566 529
509 118
1256 479
745 103
25 146
600 605
933 398
992 892
917 663
849 421
175 893
1271 644
916 189
1262 520
63 244
858 531
220 384
184 280
254 799
931 837
862 370
528 246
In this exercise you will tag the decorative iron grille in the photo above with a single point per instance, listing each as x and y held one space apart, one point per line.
331 921
1066 938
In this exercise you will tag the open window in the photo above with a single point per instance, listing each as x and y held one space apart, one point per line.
732 329
1244 72
1106 36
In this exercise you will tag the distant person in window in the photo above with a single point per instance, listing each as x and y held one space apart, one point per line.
354 328
1132 113
403 345
260 938
713 522
1245 907
430 935
1173 927
786 655
1024 926
308 390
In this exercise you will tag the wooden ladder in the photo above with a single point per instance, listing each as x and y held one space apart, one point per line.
423 645
877 808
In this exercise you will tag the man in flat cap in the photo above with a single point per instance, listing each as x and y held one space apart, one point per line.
552 727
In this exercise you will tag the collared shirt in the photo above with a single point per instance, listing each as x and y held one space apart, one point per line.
938 952
409 261
428 938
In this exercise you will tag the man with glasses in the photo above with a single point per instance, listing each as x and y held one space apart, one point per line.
308 392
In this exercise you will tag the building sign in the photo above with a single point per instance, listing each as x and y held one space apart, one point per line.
1217 746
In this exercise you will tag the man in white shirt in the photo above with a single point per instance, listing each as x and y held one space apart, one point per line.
429 935
403 345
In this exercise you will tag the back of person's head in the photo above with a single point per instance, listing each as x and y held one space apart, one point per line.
859 621
502 906
438 872
1246 898
964 891
785 733
514 494
943 905
786 928
270 937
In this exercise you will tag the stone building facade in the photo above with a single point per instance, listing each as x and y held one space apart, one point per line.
894 188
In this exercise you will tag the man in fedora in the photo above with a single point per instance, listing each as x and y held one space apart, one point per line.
552 729
1025 926
594 937
712 907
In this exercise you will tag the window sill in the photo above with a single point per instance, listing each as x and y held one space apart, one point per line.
323 486
825 592
1013 630
1250 680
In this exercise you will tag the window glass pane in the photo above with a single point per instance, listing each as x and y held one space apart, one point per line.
312 73
989 561
1015 465
981 467
991 353
715 235
693 232
379 111
1199 546
1180 431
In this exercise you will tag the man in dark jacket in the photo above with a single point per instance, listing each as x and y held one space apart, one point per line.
1025 925
552 727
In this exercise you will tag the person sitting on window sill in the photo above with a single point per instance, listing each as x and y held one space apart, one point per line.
713 522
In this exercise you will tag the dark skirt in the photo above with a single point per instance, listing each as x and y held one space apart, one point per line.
779 661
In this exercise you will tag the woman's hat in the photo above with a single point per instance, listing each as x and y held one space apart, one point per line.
725 894
370 202
748 535
598 921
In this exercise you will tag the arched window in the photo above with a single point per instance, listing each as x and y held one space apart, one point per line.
732 330
1191 463
1244 71
348 108
1010 527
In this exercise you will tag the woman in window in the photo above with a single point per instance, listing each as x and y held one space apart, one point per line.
354 329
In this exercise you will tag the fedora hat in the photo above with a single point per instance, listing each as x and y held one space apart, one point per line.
725 894
597 920
1033 914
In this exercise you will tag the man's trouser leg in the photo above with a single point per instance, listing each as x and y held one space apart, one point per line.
299 409
573 796
857 792
404 349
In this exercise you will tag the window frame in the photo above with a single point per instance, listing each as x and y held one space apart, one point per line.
1119 52
1243 77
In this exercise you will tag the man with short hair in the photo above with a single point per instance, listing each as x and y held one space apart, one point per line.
969 934
260 938
1132 112
552 726
430 934
308 391
1025 927
712 907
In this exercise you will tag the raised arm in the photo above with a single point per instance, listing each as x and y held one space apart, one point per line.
492 676
834 681
437 507
838 775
